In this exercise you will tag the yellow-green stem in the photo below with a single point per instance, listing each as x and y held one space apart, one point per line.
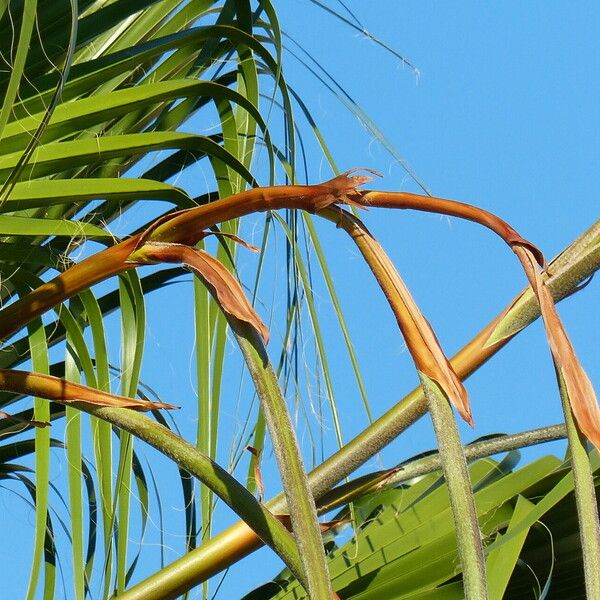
233 493
299 498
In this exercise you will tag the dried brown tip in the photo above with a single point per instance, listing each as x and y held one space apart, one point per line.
233 237
581 394
224 288
357 169
362 178
260 487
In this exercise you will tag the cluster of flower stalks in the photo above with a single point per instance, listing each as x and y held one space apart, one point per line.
174 238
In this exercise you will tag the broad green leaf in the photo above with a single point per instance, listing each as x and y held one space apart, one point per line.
502 562
89 74
82 114
32 194
408 544
56 157
40 362
133 325
11 225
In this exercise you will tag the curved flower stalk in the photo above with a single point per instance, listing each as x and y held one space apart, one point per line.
420 338
173 236
183 227
171 239
581 392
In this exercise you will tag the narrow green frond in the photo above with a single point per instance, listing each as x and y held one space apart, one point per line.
75 457
18 62
40 362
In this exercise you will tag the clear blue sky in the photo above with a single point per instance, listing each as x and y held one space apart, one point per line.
503 113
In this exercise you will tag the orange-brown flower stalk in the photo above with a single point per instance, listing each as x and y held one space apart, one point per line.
65 392
451 208
170 239
183 227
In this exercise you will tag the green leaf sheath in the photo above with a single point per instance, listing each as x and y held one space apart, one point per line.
585 496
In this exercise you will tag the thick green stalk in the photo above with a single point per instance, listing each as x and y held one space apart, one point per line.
353 490
496 445
585 497
460 491
233 493
300 502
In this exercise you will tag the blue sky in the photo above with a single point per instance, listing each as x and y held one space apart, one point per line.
501 110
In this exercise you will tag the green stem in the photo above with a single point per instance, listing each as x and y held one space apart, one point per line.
298 495
234 494
460 491
236 542
585 497
389 478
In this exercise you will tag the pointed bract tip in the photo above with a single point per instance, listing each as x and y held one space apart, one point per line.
264 332
464 409
357 180
357 169
163 405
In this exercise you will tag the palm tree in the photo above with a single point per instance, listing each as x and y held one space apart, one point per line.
102 104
